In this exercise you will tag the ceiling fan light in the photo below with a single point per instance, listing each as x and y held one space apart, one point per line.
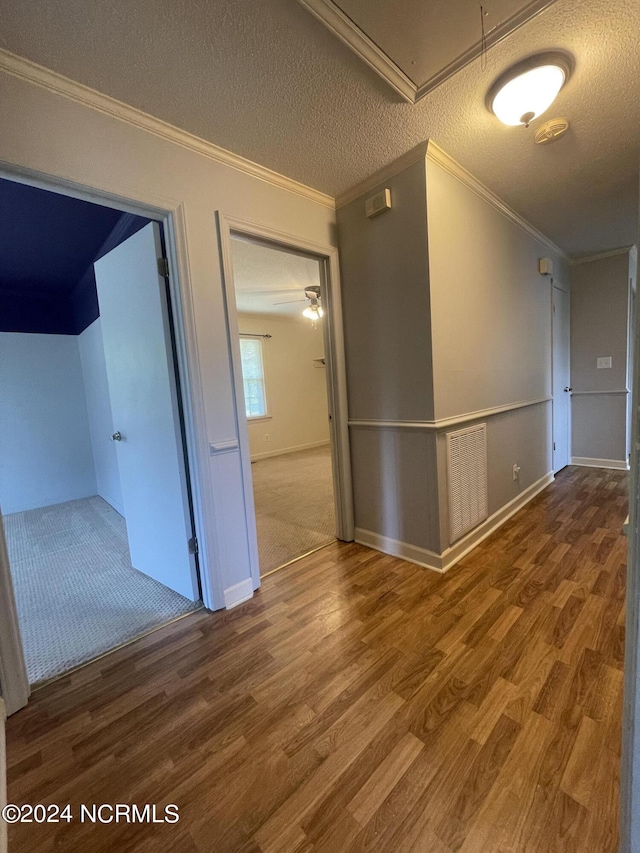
528 89
313 312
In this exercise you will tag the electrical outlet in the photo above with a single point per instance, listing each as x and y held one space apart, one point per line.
516 471
266 438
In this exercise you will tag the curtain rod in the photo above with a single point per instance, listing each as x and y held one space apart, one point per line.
252 335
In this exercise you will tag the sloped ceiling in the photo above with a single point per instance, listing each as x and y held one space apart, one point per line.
48 243
267 80
48 240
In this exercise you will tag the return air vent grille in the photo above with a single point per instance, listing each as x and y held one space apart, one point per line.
467 472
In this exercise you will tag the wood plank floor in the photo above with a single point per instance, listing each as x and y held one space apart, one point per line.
361 703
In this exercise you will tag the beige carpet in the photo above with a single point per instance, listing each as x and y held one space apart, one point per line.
294 505
77 593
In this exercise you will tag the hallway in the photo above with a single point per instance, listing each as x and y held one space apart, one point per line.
359 702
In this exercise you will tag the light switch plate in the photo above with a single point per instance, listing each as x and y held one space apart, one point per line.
604 362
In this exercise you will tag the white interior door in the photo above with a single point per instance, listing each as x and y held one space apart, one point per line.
561 380
142 387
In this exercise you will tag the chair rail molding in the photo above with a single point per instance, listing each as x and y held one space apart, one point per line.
445 423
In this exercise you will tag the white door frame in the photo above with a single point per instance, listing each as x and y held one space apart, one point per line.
172 216
13 672
630 757
554 414
335 364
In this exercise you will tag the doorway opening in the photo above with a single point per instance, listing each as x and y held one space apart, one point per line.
94 480
281 306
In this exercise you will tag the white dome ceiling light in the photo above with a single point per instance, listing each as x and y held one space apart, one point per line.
529 88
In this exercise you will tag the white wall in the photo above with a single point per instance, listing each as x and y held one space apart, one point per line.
45 455
296 390
94 371
46 131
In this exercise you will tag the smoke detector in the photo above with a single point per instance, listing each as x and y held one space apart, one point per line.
551 130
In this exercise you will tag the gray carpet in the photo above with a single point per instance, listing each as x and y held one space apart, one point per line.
294 505
76 592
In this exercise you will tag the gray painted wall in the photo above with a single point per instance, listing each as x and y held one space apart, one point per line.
384 265
599 328
446 314
385 292
491 330
395 484
599 427
521 437
490 306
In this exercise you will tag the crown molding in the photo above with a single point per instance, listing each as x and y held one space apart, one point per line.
344 28
413 156
429 150
436 155
38 75
601 256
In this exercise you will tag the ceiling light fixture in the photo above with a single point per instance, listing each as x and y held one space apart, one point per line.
529 88
313 312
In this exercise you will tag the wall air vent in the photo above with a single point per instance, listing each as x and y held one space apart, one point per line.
467 479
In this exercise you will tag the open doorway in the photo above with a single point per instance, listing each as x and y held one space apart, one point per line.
281 329
94 482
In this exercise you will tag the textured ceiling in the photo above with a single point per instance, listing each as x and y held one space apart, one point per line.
440 33
267 280
265 79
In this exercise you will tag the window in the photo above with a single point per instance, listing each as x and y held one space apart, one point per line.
255 399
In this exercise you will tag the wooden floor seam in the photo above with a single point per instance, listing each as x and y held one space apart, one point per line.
359 702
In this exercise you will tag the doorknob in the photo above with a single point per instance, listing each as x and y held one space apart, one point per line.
117 436
568 389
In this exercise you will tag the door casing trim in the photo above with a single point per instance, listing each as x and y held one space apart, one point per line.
171 214
335 361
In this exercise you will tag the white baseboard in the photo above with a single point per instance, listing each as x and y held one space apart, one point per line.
443 562
412 553
238 593
586 462
286 450
462 547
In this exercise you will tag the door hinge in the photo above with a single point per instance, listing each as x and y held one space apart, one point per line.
163 267
554 445
193 545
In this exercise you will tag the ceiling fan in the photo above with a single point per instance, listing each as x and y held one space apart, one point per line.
311 294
